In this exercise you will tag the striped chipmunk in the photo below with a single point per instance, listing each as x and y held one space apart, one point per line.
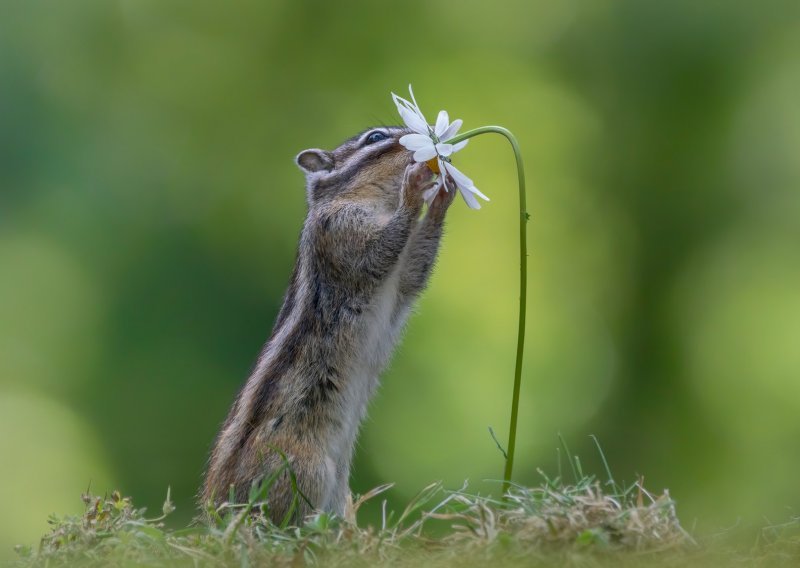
365 254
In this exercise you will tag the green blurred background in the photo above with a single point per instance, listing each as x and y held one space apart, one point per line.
149 208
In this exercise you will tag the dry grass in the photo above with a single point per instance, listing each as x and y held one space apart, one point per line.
583 524
563 516
530 523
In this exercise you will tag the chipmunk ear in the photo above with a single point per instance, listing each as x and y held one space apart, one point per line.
314 160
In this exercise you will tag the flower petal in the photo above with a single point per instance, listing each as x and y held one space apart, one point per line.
430 193
442 123
465 185
442 172
461 180
444 149
469 199
414 142
459 146
402 103
413 120
478 192
411 92
451 130
411 114
425 154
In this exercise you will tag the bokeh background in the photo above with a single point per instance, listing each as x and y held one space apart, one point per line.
149 207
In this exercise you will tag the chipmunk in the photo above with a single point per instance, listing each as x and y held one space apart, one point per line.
365 254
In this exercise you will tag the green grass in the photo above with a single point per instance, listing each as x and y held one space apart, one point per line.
586 524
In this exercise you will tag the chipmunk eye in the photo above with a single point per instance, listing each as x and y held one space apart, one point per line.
376 136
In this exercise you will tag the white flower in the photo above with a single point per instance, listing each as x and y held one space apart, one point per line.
426 143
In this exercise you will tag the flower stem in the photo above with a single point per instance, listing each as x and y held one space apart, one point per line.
523 278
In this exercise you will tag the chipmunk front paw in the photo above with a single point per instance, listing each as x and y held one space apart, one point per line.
417 179
443 199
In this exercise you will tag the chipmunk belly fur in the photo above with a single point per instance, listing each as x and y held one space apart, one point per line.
364 256
377 334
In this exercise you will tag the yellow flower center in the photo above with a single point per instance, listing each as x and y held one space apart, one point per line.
433 164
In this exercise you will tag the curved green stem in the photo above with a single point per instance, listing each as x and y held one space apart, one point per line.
523 278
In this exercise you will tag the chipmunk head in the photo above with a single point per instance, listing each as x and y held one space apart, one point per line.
368 167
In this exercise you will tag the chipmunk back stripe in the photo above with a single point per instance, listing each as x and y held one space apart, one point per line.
288 304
